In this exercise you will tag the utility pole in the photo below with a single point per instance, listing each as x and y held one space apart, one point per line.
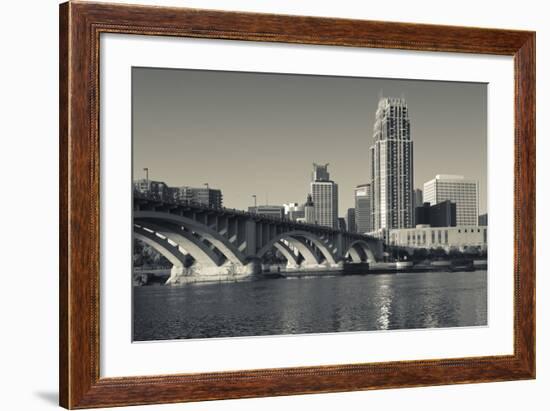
255 201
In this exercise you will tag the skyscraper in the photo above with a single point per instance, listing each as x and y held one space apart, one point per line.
418 198
363 208
464 193
309 211
324 193
418 201
350 220
392 166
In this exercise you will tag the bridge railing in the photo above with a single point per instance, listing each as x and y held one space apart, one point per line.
159 198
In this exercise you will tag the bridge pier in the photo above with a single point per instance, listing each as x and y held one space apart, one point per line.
227 272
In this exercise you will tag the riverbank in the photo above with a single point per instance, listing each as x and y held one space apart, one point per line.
147 277
389 268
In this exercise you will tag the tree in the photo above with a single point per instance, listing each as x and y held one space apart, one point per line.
455 253
420 254
439 254
472 251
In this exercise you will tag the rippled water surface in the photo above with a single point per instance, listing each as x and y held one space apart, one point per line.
311 305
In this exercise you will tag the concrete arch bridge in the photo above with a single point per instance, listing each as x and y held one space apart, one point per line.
219 243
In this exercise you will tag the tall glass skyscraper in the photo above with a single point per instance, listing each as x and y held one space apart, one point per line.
392 166
324 193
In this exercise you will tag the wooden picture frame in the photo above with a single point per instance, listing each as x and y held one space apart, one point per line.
80 27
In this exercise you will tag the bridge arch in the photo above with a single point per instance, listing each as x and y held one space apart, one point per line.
163 247
221 243
358 247
291 258
201 253
295 238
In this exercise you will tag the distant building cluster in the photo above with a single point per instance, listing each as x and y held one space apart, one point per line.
444 214
205 196
407 216
320 207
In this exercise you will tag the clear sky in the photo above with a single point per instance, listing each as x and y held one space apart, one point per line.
259 133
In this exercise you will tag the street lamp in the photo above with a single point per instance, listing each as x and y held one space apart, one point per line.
254 197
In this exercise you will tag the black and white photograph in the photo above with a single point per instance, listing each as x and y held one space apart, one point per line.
274 204
271 205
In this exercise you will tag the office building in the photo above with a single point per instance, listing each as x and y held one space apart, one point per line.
350 220
363 208
439 215
324 193
159 190
153 189
392 166
274 211
464 193
204 196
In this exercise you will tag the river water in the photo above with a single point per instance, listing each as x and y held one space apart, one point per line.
311 305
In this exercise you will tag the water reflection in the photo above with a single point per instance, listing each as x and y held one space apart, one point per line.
384 299
312 305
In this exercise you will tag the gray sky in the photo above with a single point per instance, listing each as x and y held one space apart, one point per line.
256 133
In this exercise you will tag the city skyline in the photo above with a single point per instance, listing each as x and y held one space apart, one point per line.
279 163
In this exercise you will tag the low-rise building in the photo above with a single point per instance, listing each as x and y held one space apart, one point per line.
206 196
458 237
268 211
153 189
